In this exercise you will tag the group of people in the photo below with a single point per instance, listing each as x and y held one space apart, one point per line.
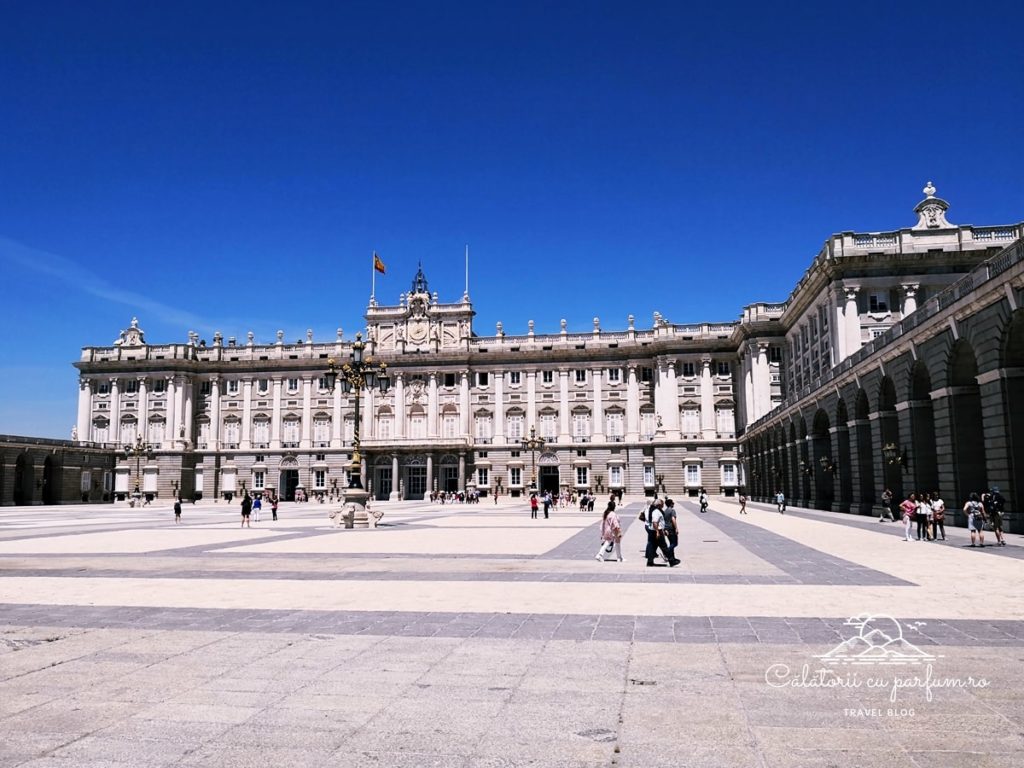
925 513
662 526
455 497
252 506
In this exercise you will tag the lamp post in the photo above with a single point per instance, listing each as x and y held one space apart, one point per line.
136 449
359 373
532 443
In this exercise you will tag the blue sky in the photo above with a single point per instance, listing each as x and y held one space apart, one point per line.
231 166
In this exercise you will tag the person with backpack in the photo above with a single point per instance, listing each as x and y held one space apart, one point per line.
611 534
703 501
975 519
671 527
993 504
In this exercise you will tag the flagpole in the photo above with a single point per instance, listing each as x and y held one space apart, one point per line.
373 277
467 271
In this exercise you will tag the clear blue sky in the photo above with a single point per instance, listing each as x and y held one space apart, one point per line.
216 166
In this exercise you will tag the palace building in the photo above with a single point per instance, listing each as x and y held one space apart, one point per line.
896 360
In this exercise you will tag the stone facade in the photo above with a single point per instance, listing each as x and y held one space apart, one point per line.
671 407
35 470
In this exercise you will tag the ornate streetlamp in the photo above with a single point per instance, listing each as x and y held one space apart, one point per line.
532 444
356 375
138 450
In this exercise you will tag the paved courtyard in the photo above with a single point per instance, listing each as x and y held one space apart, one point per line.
474 636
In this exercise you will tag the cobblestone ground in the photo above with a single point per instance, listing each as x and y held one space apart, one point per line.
473 636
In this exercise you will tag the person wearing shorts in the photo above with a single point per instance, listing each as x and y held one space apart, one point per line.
975 519
177 511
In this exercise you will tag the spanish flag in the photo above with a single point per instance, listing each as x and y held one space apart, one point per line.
377 263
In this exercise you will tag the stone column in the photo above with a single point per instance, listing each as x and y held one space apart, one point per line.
337 418
464 423
246 441
632 405
597 422
851 317
432 416
462 472
430 473
366 431
115 410
531 402
670 402
394 478
909 298
564 435
186 409
747 362
762 382
499 408
709 429
171 393
306 440
143 409
399 408
214 443
83 422
1002 393
275 423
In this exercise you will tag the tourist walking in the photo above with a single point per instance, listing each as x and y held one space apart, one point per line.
611 534
671 527
938 516
177 511
273 505
654 522
547 503
257 505
993 504
533 506
780 502
886 507
246 510
703 501
907 509
743 504
975 520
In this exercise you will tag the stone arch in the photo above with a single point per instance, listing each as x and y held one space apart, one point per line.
820 457
889 431
52 478
1012 363
24 480
924 466
968 449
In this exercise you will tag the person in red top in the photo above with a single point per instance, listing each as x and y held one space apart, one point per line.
908 507
533 505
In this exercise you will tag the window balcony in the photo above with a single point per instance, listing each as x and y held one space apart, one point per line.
289 445
616 439
581 438
483 440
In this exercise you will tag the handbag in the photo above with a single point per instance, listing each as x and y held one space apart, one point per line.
608 547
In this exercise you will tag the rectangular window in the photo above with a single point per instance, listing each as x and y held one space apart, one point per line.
691 421
729 474
449 379
482 378
515 477
319 478
581 376
263 385
689 370
515 427
232 386
450 425
384 424
483 427
614 425
693 475
582 476
514 454
160 385
131 386
293 385
258 480
878 302
103 388
418 425
548 426
646 375
320 457
615 476
726 422
321 434
581 425
774 354
515 378
546 377
647 425
483 477
614 375
321 383
648 475
723 368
